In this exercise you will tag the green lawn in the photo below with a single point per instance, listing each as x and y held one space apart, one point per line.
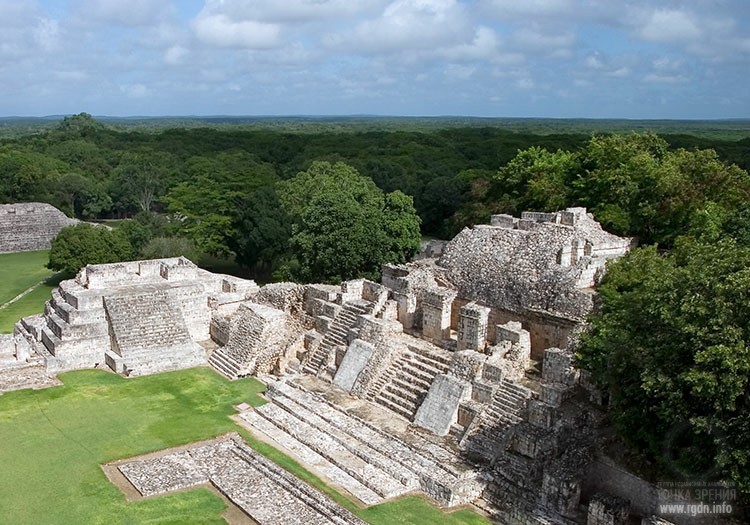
54 440
19 271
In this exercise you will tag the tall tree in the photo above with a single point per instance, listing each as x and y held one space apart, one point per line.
82 244
344 227
261 231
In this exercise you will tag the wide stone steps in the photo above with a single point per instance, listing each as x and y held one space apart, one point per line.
493 429
336 448
396 404
319 509
407 383
346 439
315 430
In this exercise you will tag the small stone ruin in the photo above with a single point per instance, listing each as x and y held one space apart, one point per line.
454 377
30 226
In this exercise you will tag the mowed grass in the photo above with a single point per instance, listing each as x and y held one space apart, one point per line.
54 440
30 304
19 271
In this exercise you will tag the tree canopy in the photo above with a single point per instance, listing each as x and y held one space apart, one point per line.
82 244
343 224
671 348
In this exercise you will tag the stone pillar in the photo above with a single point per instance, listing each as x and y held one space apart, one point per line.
472 327
513 331
436 314
407 308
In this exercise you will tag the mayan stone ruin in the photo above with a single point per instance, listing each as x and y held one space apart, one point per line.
30 226
454 377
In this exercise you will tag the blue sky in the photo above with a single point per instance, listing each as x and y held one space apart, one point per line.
513 58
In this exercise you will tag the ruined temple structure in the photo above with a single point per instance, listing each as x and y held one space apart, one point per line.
30 226
454 377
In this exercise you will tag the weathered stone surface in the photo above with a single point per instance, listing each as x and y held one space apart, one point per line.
440 408
30 226
263 490
539 263
356 359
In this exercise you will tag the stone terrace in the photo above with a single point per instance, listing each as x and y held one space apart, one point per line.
263 490
370 463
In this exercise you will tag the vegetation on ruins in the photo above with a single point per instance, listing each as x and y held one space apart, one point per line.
329 201
58 438
671 349
82 244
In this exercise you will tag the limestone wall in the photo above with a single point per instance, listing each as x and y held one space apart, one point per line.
541 262
30 226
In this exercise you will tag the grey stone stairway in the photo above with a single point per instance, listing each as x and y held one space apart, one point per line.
336 336
409 380
371 464
490 432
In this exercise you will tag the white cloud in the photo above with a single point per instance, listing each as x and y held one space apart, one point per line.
484 46
526 8
47 34
125 12
221 31
176 55
671 26
410 25
537 40
290 11
135 90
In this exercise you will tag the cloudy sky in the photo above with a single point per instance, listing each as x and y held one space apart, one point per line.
516 58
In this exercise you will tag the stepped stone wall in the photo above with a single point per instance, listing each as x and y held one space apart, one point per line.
30 226
137 317
261 489
540 262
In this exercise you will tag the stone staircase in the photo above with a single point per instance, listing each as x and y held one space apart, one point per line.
491 431
264 491
370 463
405 386
145 321
225 364
257 334
150 335
336 336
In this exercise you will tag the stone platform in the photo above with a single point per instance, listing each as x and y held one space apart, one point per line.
265 492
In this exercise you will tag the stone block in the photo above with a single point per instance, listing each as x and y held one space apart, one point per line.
607 510
440 408
502 220
467 364
357 357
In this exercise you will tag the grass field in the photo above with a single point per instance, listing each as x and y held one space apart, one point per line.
54 440
19 272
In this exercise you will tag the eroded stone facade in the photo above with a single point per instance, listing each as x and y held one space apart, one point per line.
30 226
